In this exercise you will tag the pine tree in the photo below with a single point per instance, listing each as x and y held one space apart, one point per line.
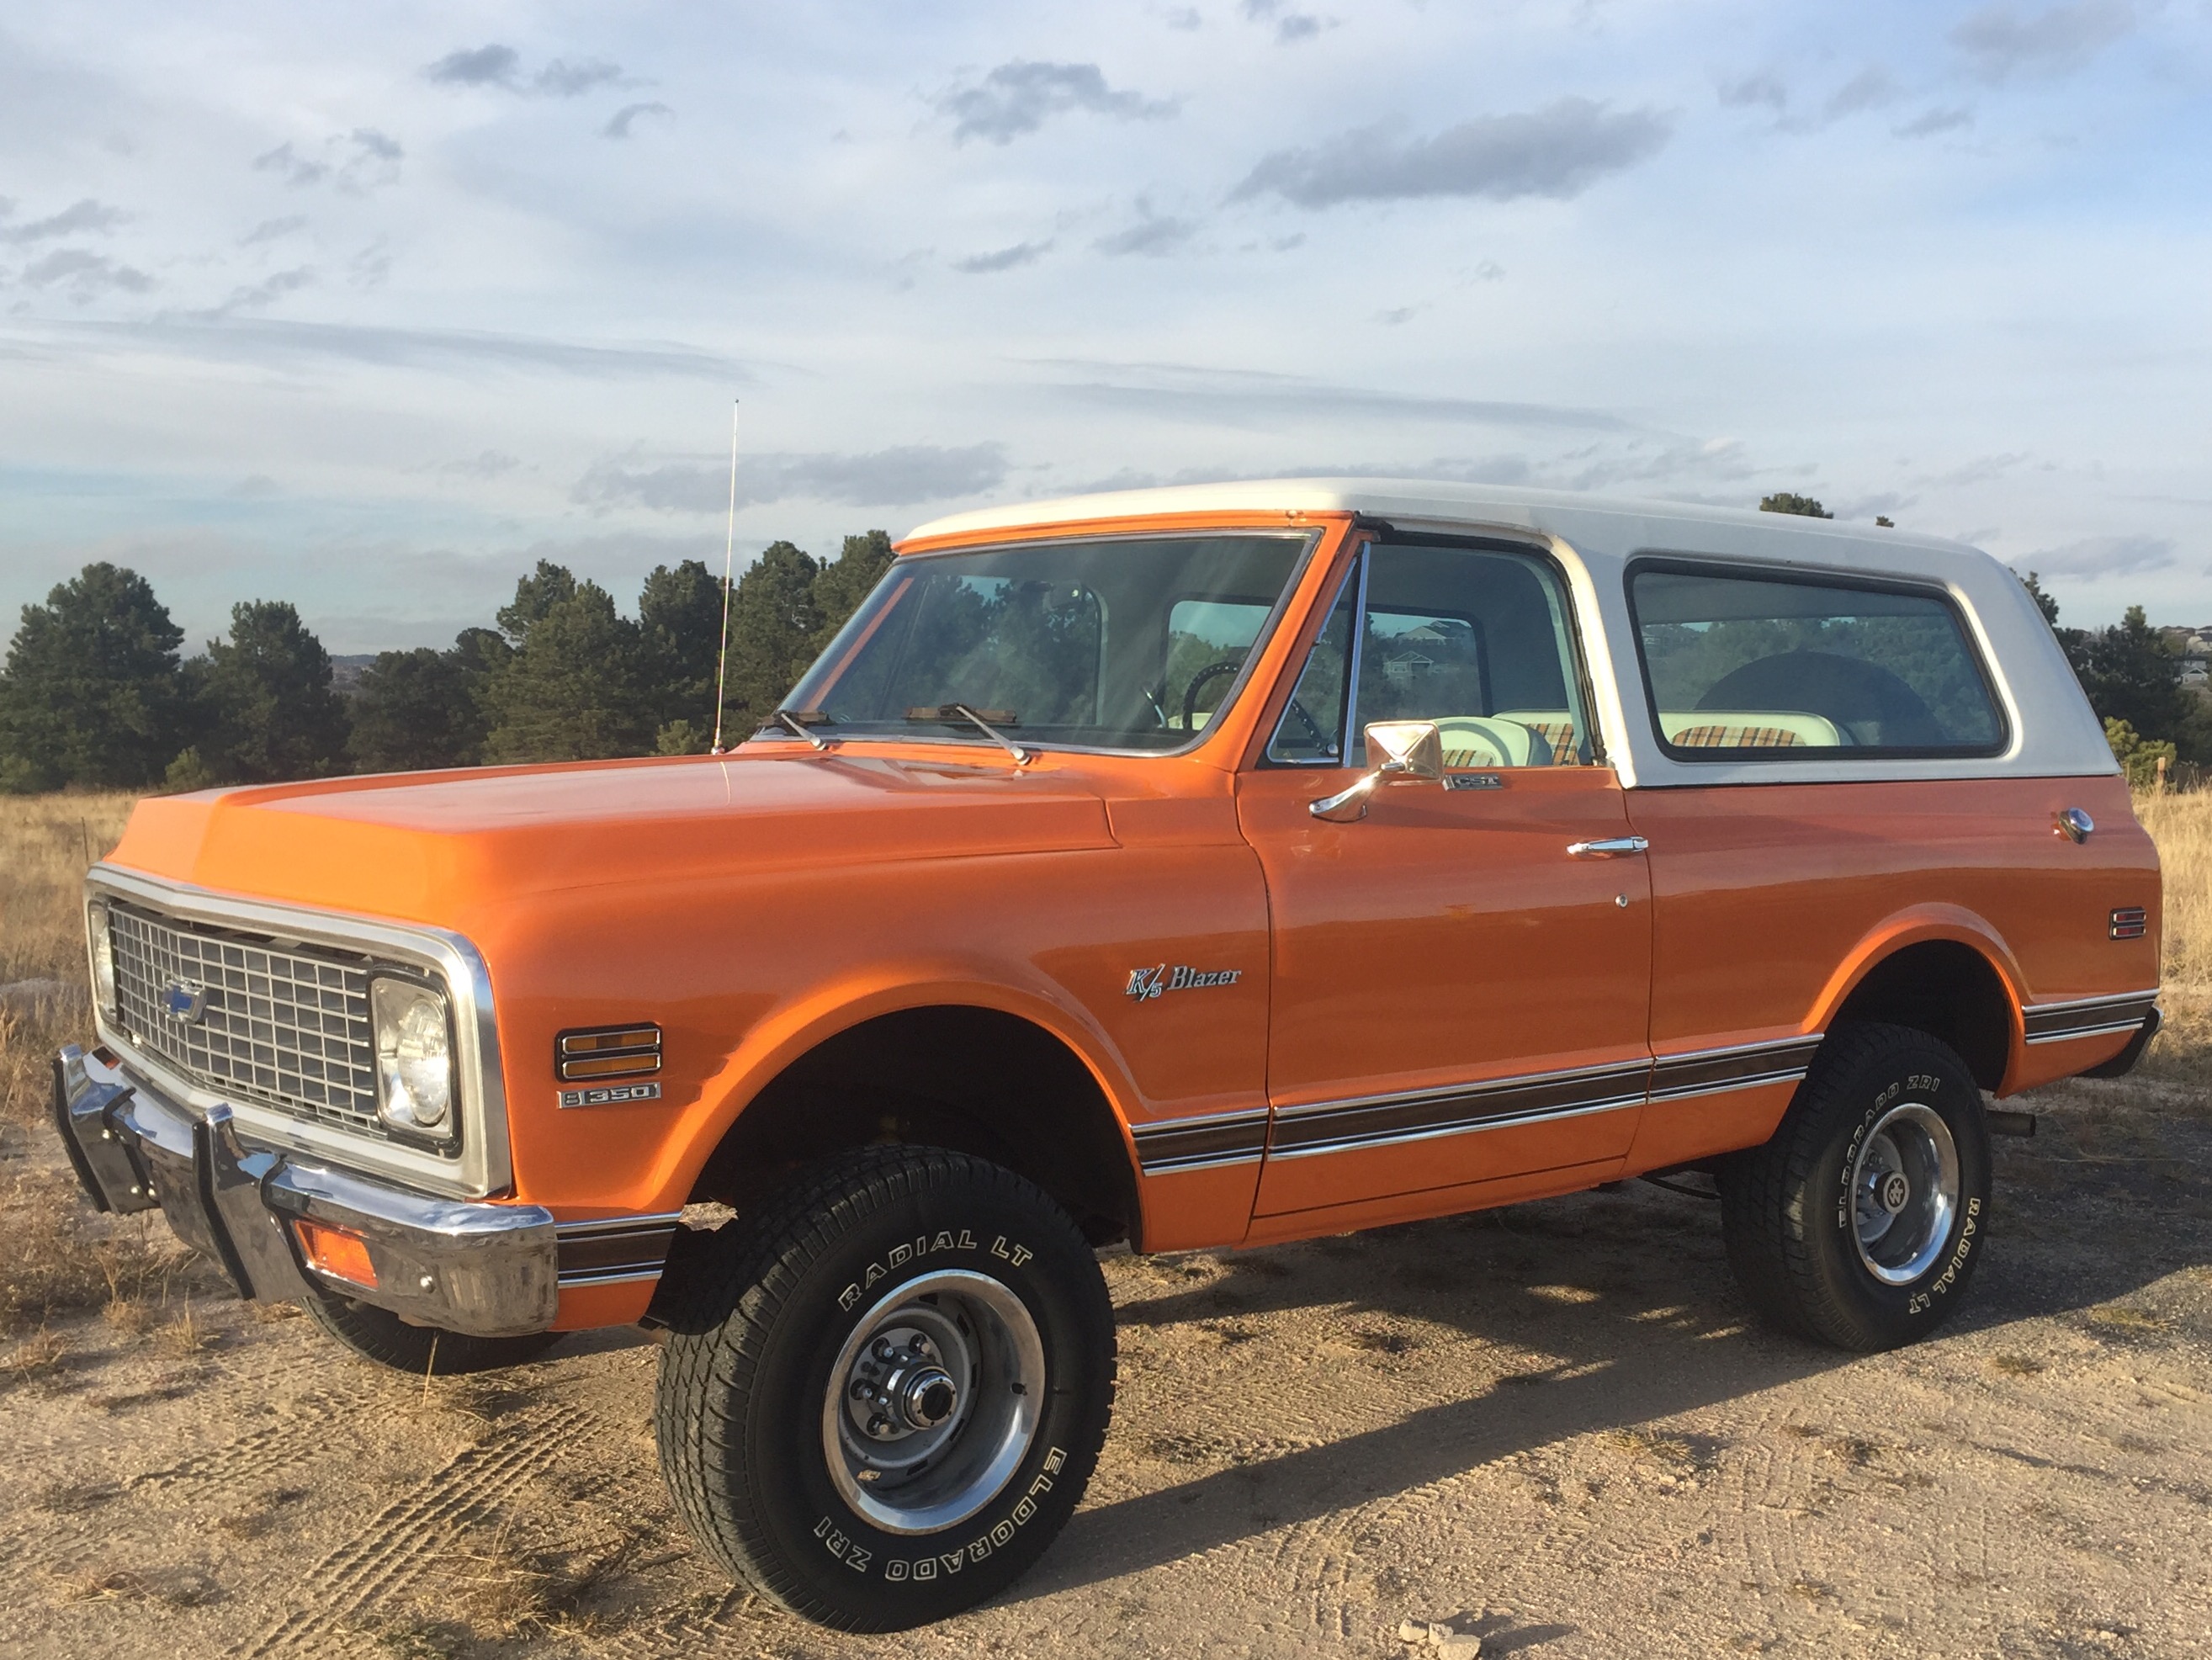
267 709
1790 501
578 686
680 614
419 709
775 620
845 581
91 693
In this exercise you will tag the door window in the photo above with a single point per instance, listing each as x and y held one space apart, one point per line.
1742 666
1477 640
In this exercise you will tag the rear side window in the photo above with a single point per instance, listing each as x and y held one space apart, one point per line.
1741 665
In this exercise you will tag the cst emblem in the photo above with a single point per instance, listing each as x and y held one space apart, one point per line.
184 1002
1146 984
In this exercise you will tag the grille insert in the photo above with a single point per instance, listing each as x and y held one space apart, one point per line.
282 1027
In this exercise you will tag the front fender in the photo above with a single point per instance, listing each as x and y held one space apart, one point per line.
812 1016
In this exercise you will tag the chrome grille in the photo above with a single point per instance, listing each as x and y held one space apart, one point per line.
277 1026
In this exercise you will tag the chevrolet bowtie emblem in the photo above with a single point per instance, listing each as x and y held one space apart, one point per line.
184 1001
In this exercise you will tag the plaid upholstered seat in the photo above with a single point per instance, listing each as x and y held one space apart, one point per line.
1736 738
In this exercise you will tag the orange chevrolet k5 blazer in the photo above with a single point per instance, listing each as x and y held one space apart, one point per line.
1196 867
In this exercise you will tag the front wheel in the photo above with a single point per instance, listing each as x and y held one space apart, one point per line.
1859 1224
882 1396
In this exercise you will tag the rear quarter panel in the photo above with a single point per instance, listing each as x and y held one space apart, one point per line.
1772 901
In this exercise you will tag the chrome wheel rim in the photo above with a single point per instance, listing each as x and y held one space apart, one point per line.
932 1402
1905 1193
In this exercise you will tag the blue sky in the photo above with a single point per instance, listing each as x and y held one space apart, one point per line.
368 308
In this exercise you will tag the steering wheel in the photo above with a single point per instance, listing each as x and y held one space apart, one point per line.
1211 671
1312 727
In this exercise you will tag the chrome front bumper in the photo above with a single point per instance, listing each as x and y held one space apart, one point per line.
490 1270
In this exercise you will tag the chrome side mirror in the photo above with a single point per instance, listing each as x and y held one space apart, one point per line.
1409 749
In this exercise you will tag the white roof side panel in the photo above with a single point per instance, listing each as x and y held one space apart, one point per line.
2053 732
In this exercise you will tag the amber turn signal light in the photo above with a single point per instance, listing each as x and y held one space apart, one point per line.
628 1051
335 1251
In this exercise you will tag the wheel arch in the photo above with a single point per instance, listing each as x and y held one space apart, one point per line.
977 1068
1942 970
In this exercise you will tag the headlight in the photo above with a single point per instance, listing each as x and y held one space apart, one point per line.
103 955
414 1057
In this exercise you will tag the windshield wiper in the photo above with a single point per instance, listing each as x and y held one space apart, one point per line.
797 722
951 712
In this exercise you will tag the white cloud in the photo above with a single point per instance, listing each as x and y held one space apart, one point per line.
620 122
2000 42
1017 98
1007 258
2097 556
80 216
1558 151
902 475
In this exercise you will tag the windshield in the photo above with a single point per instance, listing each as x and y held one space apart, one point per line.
1111 642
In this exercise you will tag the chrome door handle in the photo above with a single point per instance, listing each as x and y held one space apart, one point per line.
1608 845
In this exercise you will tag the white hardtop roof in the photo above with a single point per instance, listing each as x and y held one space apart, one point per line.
1435 501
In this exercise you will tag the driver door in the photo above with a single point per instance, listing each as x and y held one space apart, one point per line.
1461 983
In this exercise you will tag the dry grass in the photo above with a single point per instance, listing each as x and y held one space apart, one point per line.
46 844
56 1257
2182 827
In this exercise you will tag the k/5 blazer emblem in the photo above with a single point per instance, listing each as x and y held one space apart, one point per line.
1146 984
182 1000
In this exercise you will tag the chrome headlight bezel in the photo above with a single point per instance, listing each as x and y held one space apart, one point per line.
392 1000
100 950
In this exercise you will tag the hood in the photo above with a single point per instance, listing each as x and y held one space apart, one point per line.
415 846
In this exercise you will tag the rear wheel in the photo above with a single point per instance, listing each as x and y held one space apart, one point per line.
1859 1224
882 1396
382 1336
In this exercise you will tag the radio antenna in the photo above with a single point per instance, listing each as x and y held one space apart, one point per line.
729 548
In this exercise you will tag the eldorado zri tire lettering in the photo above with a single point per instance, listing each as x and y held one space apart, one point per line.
882 1395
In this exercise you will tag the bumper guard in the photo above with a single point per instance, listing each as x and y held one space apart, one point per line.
489 1270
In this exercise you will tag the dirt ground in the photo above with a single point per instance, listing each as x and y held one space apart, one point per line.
1548 1426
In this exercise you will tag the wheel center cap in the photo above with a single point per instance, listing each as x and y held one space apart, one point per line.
926 1397
1895 1190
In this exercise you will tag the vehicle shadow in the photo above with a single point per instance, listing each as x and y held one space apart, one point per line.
1622 1298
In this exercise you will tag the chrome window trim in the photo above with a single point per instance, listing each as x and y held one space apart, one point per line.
484 1165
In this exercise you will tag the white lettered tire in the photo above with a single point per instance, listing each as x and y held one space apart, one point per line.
882 1395
1861 1222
